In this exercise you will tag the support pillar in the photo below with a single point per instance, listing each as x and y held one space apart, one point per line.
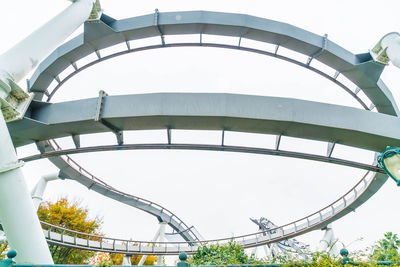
40 187
328 242
160 236
126 260
17 213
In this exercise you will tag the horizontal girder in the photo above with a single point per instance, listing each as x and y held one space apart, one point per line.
244 113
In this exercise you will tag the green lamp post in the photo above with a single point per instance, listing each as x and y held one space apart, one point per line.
389 161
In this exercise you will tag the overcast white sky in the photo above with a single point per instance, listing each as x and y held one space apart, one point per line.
218 192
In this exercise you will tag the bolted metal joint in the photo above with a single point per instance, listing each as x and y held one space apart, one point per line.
13 100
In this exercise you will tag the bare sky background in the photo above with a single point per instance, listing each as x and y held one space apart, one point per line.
218 192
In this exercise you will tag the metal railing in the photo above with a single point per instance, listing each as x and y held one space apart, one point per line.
69 238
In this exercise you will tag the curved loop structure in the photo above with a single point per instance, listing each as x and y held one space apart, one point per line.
357 195
213 45
361 69
72 170
268 115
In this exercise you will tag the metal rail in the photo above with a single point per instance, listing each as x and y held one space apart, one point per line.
252 150
346 203
214 45
81 175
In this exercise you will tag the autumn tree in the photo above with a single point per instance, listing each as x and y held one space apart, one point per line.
73 217
3 249
116 259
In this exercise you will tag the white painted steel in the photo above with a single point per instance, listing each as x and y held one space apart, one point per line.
3 238
38 191
126 260
159 236
388 49
17 62
328 242
17 213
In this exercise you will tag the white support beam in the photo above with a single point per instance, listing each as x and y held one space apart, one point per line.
17 213
40 187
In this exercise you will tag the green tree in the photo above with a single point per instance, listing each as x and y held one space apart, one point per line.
387 249
225 254
73 217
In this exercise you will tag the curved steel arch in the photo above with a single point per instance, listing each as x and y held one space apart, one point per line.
360 69
241 48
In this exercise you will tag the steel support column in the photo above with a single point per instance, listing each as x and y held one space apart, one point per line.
17 213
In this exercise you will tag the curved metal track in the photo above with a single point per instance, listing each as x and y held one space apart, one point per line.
357 195
332 78
69 169
359 69
53 152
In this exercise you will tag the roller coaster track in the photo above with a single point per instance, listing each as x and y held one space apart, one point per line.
357 195
296 118
72 170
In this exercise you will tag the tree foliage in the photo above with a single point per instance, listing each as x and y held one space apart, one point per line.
225 254
102 258
387 249
116 259
73 217
3 249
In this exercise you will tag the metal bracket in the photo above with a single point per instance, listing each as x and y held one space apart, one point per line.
77 140
375 163
336 74
331 146
169 135
13 101
98 54
278 141
372 106
74 66
96 12
156 21
99 108
320 51
42 146
223 138
276 49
